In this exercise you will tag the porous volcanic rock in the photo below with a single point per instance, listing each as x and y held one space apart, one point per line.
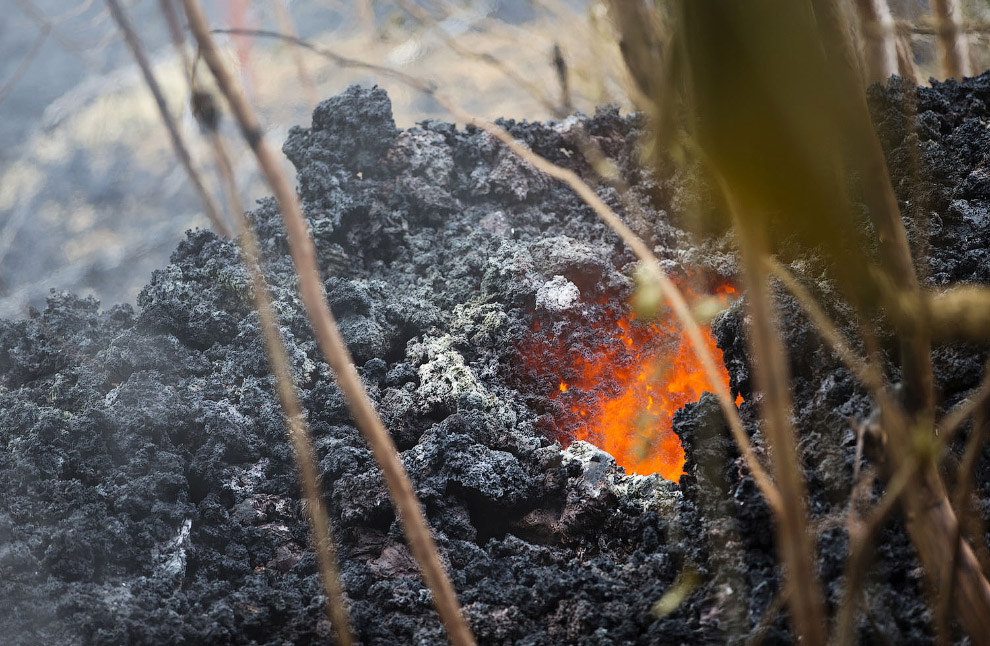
148 491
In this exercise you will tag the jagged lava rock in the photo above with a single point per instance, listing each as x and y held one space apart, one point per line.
148 491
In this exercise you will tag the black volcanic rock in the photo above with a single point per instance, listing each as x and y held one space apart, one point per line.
148 492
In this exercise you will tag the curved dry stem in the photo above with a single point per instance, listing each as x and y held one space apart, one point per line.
880 39
974 447
613 221
331 342
424 18
25 63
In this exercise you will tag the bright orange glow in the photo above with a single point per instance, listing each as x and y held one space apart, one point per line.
622 396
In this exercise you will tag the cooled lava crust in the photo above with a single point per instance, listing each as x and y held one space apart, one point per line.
148 493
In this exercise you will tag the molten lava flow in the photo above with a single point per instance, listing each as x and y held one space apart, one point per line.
621 393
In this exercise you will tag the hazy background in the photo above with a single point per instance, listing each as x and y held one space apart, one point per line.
91 197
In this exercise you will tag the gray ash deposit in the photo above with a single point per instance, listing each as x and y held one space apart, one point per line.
148 492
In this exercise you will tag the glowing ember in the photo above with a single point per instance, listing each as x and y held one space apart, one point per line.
621 394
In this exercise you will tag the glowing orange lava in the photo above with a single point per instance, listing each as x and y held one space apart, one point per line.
622 396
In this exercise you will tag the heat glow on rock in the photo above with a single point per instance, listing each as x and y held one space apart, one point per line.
622 393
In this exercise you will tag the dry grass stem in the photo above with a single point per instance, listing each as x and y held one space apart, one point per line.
930 519
948 425
175 32
878 193
780 599
960 500
331 343
862 534
880 39
955 46
178 145
298 430
795 542
299 435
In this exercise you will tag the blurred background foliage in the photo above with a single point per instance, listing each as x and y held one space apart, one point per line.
92 199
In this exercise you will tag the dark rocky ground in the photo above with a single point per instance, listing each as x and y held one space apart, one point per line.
148 492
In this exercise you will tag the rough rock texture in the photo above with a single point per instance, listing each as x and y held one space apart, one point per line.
147 489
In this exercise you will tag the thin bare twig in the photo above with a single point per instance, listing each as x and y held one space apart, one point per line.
31 10
861 537
780 599
175 31
178 145
974 447
332 344
952 420
878 193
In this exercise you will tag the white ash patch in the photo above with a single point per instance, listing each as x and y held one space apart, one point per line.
557 295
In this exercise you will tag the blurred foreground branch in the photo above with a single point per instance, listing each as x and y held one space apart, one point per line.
331 343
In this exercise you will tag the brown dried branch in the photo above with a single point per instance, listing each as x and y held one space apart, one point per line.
931 28
862 534
866 372
948 425
961 313
178 145
877 29
930 519
331 343
298 430
899 483
955 46
895 252
175 32
795 542
905 59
